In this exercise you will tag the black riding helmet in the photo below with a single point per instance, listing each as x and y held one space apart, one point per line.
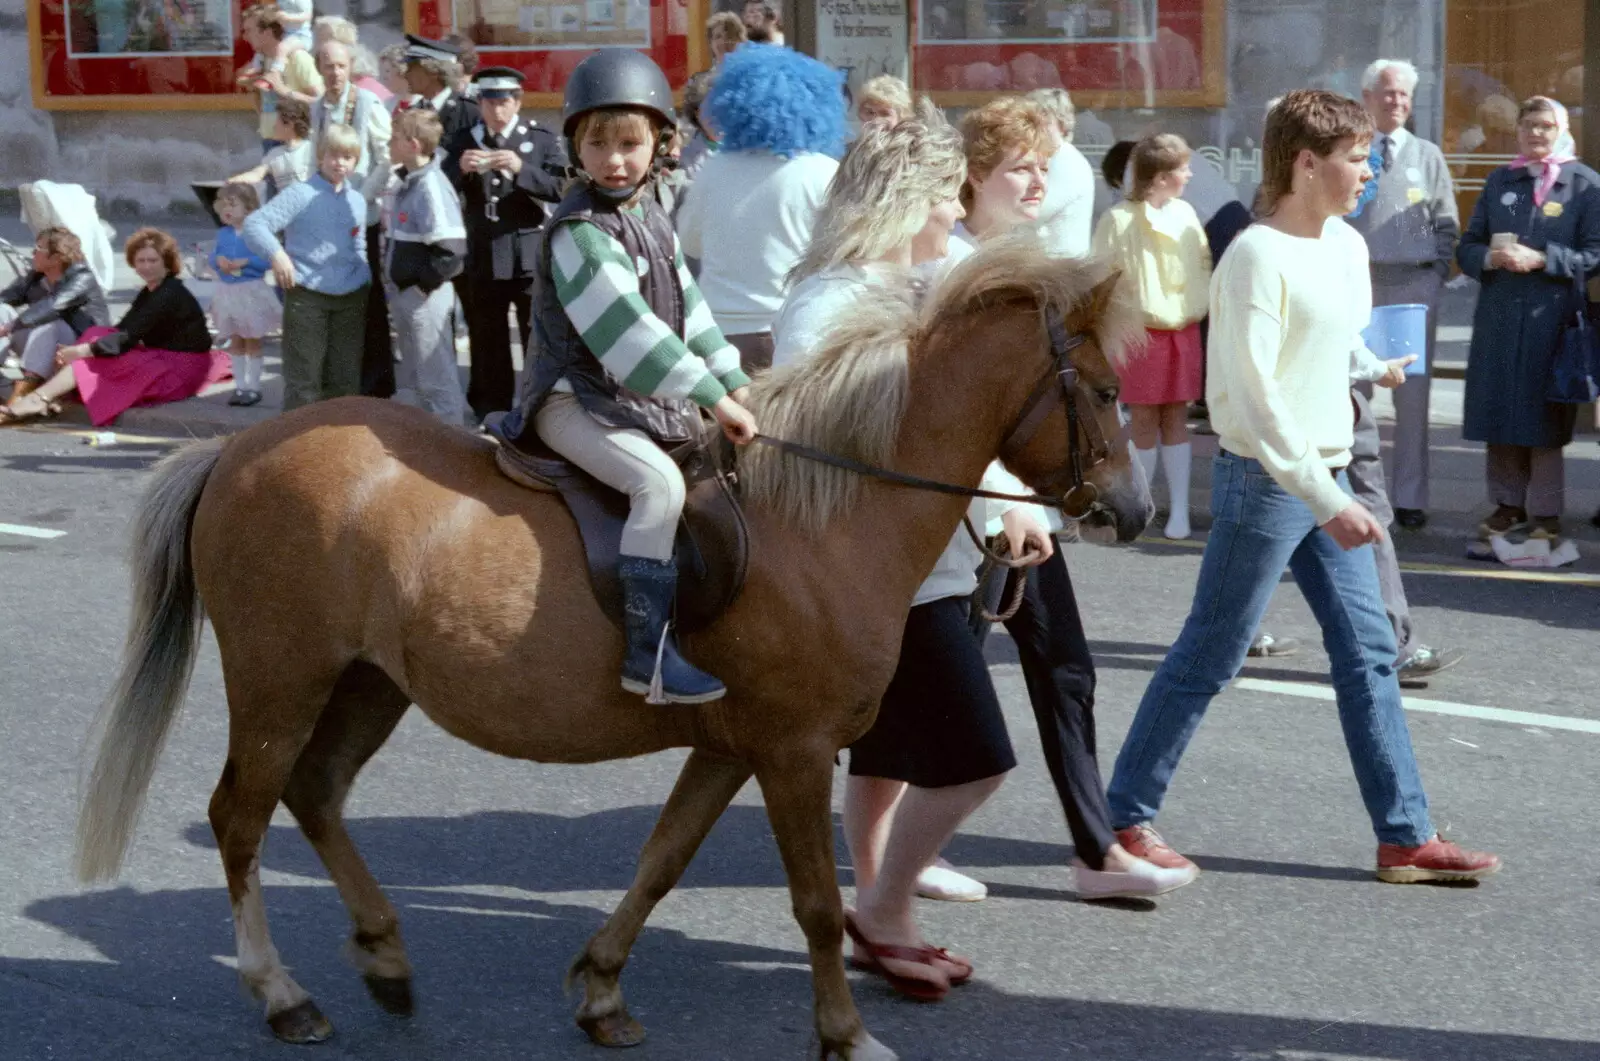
615 77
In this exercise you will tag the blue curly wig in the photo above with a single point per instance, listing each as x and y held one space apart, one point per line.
770 98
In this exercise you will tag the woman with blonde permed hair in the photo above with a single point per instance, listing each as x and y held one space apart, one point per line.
938 747
885 100
1157 240
888 190
160 351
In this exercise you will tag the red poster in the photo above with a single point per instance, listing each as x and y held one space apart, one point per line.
1107 53
137 54
546 40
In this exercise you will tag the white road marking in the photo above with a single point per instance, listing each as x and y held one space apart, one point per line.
30 532
1434 707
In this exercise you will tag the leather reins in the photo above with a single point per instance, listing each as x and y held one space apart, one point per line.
1061 380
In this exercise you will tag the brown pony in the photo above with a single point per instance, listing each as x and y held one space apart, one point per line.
356 557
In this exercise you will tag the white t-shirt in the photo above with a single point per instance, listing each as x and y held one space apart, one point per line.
1066 218
288 165
1286 320
748 219
814 304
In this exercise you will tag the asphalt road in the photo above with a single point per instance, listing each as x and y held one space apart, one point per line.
1285 950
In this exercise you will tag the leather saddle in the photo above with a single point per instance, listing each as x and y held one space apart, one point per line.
713 547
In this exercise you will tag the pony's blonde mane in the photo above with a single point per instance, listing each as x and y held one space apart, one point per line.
848 399
850 396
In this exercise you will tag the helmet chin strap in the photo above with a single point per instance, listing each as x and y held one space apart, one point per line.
614 196
618 196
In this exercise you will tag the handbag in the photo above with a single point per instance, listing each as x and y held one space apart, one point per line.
1575 373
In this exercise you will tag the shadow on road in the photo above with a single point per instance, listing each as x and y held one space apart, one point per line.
79 459
488 988
599 852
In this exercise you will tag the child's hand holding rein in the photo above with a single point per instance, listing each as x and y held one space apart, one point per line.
736 421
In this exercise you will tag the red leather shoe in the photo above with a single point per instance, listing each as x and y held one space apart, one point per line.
1438 859
1142 841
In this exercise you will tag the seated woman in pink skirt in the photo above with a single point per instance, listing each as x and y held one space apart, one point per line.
159 352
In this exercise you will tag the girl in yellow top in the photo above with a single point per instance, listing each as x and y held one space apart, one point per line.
1158 242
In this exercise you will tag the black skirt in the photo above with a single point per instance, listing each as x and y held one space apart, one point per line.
940 722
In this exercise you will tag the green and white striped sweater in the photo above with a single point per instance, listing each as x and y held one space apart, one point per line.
597 286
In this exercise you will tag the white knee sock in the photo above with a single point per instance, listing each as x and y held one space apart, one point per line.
252 371
1147 461
1175 462
241 371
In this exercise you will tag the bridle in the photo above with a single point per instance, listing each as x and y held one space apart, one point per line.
1068 490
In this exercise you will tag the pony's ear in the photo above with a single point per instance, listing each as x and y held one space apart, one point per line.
1101 294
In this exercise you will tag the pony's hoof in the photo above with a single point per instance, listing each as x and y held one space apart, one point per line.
863 1048
393 993
617 1030
301 1024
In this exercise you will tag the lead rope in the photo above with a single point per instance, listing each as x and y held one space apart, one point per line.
998 559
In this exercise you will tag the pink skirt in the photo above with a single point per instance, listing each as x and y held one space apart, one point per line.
142 376
1169 369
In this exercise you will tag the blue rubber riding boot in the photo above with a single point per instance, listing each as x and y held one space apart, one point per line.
651 665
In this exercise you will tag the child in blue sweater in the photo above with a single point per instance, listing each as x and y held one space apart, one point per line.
322 266
244 310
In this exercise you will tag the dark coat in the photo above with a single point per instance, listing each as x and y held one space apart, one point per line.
507 245
168 318
77 300
1520 316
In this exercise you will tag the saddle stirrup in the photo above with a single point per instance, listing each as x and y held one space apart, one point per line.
651 664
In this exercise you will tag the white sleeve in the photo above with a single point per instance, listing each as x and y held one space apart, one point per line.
1247 333
997 478
1366 366
806 316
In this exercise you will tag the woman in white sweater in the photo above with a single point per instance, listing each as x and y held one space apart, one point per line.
1288 301
749 214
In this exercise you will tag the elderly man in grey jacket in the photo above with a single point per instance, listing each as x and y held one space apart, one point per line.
1411 230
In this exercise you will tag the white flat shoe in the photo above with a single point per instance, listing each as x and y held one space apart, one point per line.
940 881
1141 881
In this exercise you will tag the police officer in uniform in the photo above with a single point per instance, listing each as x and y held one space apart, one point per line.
507 168
432 70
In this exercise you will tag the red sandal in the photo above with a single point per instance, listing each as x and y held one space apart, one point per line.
911 987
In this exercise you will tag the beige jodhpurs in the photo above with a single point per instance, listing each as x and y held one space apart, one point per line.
623 458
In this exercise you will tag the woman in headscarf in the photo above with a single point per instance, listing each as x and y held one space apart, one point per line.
1533 239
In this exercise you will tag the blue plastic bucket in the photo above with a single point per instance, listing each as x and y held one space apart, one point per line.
1400 331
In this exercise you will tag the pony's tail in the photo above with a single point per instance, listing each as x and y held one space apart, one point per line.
158 659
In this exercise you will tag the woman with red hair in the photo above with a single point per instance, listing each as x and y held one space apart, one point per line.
159 352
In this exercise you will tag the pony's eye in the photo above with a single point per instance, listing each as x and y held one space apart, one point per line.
1107 395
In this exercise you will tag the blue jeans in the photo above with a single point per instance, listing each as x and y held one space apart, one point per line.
1259 529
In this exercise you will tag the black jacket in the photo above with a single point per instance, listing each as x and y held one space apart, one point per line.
77 300
168 318
506 246
457 115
